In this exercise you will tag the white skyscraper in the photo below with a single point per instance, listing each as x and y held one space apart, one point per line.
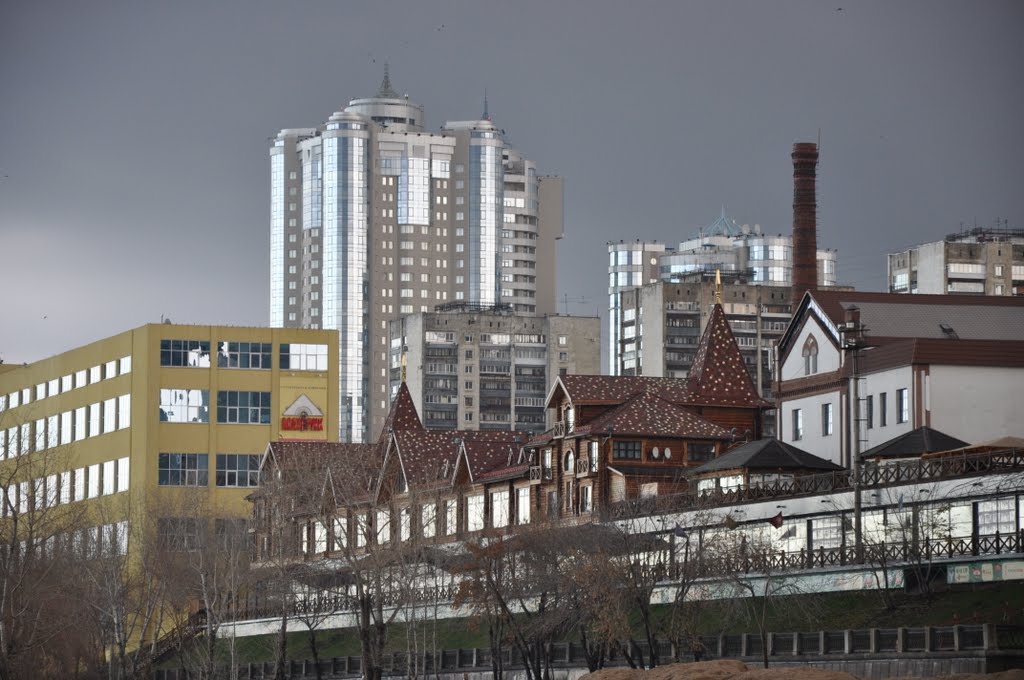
374 218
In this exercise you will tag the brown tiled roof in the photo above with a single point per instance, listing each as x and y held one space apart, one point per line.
615 389
403 415
429 456
648 414
353 467
296 454
718 376
492 452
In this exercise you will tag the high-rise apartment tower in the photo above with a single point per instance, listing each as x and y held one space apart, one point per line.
373 217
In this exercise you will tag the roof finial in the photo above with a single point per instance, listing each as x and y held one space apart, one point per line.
386 91
718 286
487 115
403 364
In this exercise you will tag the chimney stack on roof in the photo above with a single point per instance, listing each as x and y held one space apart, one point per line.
805 220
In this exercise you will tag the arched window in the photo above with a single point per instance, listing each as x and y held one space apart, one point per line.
570 462
810 356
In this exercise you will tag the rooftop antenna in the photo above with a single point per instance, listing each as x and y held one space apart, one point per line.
487 115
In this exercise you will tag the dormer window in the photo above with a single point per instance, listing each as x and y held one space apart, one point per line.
570 419
810 354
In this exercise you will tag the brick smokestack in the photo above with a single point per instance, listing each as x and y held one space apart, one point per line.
805 219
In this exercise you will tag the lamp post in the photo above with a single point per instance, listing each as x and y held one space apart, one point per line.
852 338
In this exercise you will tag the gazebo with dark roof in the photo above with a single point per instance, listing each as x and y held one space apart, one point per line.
758 462
913 444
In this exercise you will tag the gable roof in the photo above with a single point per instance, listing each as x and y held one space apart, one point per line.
899 315
616 389
718 376
767 454
430 457
648 414
911 444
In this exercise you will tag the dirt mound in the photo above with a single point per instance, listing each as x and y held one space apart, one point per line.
721 669
793 673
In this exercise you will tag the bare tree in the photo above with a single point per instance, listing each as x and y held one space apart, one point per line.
205 556
121 586
40 534
757 586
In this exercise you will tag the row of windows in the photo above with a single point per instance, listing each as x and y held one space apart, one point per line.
105 540
61 488
71 381
251 355
192 469
193 406
427 521
827 414
64 428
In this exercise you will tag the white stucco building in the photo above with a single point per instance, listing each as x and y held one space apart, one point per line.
951 363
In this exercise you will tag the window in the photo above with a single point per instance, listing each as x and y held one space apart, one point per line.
546 466
499 509
827 532
243 355
699 452
902 406
810 354
595 455
362 530
586 499
523 505
475 512
451 516
826 420
869 415
882 415
183 469
340 531
570 462
182 406
627 450
303 357
428 520
178 534
405 524
798 424
238 470
243 407
192 353
996 515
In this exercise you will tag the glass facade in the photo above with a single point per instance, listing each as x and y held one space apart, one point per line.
485 214
277 206
346 227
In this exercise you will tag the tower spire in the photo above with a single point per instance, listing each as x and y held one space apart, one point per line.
487 115
386 91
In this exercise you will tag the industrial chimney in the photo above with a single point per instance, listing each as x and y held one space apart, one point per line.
805 221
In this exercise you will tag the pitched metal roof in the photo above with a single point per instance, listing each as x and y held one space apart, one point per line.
910 444
767 454
896 315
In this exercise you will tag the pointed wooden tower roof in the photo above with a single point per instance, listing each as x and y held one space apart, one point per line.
403 415
718 376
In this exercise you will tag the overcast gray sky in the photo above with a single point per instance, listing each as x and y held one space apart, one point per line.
134 177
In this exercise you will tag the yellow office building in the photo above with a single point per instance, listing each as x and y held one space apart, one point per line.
161 411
